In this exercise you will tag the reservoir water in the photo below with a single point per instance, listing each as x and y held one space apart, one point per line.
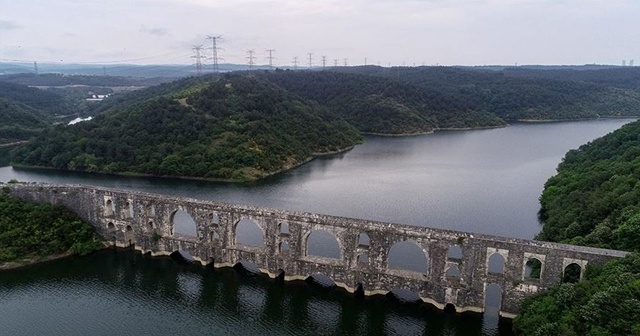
485 181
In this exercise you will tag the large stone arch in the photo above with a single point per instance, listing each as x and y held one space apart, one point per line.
248 231
408 255
496 262
182 223
320 236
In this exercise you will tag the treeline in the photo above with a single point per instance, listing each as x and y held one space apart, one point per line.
381 105
238 128
54 79
594 200
595 197
518 97
29 230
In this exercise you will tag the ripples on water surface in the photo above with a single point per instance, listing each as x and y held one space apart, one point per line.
121 292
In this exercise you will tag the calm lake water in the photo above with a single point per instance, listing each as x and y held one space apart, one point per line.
485 181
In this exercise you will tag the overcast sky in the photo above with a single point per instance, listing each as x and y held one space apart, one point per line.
445 32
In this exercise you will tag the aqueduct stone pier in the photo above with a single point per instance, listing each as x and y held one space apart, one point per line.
457 273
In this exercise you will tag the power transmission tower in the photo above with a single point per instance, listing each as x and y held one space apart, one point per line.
197 49
324 61
295 62
251 58
270 57
35 67
214 49
365 61
345 62
310 60
335 62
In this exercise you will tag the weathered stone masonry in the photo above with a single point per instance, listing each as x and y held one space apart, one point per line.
146 221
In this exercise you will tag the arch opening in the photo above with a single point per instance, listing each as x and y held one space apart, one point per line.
533 269
284 229
213 219
453 272
449 308
109 208
572 273
247 267
129 228
111 226
248 233
321 280
454 252
284 246
363 240
358 291
363 259
496 264
151 225
183 224
128 210
322 243
492 298
405 295
407 255
280 274
182 256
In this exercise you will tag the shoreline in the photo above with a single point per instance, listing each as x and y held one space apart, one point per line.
436 130
11 265
192 178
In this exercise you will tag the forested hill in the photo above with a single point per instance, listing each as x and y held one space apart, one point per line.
25 111
381 105
521 97
236 128
594 200
595 197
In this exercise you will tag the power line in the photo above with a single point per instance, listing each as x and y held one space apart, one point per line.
270 57
197 49
251 58
214 49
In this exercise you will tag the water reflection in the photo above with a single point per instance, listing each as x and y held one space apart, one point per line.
125 292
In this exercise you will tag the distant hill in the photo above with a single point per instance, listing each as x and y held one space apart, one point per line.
25 111
237 128
521 97
383 106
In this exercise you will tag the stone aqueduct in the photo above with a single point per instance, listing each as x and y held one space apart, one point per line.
146 221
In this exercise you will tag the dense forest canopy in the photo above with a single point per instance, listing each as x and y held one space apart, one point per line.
237 128
595 197
30 230
381 105
594 200
522 97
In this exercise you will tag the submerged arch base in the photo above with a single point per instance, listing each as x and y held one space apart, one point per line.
342 285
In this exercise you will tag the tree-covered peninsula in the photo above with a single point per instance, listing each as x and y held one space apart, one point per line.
594 200
30 231
236 128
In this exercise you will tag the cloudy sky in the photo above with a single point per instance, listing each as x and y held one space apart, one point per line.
445 32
